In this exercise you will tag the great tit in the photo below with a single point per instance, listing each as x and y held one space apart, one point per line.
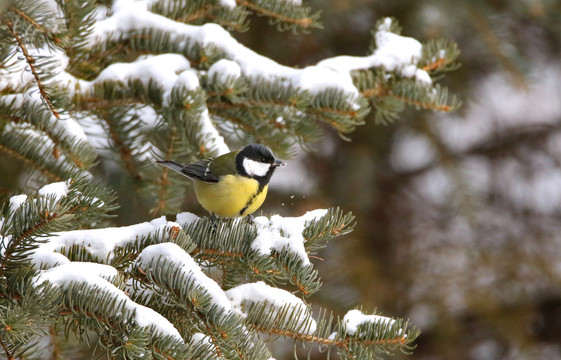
234 184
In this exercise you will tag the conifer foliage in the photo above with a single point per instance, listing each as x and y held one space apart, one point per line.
85 81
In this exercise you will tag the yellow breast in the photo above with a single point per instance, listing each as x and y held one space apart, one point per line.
232 196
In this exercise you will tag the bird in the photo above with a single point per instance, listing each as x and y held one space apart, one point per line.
234 184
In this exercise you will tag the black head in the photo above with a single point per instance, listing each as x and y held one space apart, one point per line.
257 162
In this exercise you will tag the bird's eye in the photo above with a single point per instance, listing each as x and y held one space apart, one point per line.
263 160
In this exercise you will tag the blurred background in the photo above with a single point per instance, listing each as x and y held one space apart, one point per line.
458 216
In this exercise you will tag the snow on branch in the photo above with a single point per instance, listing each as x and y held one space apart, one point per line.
55 207
333 90
281 235
98 277
185 266
170 73
278 233
266 306
99 244
355 321
274 249
394 52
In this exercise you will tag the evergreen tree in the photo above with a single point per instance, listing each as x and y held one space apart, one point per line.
83 82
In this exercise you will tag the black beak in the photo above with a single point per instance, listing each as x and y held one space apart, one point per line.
277 163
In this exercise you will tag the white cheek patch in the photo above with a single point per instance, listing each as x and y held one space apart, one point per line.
255 168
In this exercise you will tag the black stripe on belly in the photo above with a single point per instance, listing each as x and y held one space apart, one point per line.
252 199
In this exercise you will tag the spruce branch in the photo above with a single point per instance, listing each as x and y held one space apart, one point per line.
284 14
278 113
127 47
15 242
25 311
291 267
389 94
216 256
318 232
180 135
185 287
31 20
117 130
107 94
341 343
431 98
32 162
224 243
40 215
221 91
436 64
230 245
47 33
31 61
26 111
200 11
115 319
439 56
79 17
124 255
339 109
194 16
371 338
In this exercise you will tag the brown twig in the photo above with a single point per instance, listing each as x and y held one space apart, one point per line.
213 340
196 15
382 91
350 113
97 103
163 180
342 343
219 93
212 253
333 231
247 103
205 12
437 64
9 356
305 22
373 92
46 32
428 106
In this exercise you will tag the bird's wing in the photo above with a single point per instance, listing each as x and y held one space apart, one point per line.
207 170
224 165
200 170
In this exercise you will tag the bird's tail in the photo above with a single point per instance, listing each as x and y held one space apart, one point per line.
172 165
